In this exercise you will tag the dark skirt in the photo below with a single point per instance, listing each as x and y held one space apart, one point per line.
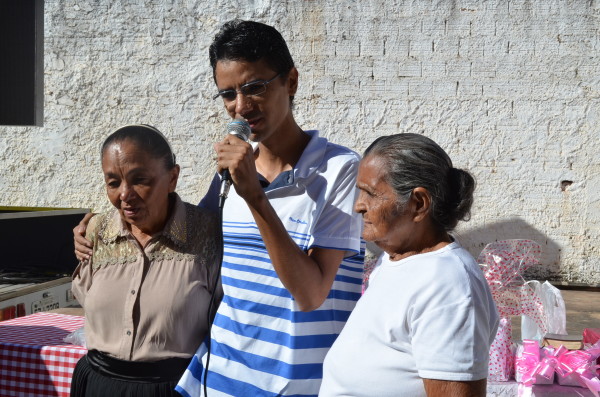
99 375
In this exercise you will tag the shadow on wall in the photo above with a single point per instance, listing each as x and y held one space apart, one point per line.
474 240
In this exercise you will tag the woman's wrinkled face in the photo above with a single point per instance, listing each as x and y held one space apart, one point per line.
383 221
138 185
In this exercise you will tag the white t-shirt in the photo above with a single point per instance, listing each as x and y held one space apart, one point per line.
427 316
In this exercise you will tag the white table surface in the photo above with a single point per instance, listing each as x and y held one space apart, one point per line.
511 388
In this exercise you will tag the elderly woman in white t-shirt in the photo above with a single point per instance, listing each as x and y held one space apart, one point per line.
425 324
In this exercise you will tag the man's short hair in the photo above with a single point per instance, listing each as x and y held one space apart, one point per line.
251 41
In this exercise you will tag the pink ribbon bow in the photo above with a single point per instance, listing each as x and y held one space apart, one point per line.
577 366
531 364
573 367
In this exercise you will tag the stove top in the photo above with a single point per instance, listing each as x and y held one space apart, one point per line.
29 275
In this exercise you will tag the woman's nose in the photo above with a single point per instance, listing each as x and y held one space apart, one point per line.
359 205
125 192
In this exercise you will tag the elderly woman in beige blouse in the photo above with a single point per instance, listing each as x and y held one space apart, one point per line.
146 291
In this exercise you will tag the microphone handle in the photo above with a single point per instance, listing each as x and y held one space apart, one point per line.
225 185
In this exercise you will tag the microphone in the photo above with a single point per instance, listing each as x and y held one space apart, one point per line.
240 129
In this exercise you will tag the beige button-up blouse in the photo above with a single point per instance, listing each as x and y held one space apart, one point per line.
150 304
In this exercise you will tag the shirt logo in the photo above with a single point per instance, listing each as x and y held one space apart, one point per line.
298 221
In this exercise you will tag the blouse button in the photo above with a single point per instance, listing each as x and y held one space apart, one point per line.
128 333
132 292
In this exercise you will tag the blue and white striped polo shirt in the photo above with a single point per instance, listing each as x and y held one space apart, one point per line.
262 344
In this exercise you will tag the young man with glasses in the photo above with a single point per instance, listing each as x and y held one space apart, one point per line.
293 256
292 267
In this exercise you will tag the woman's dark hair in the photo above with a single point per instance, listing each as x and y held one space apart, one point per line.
147 138
251 41
412 161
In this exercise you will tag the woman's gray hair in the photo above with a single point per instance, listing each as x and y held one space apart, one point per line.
147 138
413 160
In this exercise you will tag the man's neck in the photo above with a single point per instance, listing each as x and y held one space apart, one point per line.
272 159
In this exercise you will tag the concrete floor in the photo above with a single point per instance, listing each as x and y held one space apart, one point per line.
583 310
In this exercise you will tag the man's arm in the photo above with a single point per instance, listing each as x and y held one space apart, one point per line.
307 276
448 388
83 246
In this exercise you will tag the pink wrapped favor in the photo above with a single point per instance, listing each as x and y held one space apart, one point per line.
503 263
578 368
572 367
534 365
500 367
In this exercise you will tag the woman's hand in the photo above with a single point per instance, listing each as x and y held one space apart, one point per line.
83 246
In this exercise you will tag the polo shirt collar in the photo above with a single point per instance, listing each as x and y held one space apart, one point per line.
312 156
309 162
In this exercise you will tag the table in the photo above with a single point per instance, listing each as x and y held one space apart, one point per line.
34 359
511 389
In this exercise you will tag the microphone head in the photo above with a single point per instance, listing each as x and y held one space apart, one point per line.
239 128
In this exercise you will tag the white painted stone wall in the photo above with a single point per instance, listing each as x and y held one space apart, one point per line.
509 88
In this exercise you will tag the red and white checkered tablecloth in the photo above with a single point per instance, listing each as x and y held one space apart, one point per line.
34 359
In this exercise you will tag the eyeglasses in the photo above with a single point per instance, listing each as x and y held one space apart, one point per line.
252 88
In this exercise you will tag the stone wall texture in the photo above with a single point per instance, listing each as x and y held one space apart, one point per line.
511 89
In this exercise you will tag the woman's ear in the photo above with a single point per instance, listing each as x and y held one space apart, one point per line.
421 203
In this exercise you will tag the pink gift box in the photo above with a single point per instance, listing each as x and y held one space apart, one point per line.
591 335
572 367
534 366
